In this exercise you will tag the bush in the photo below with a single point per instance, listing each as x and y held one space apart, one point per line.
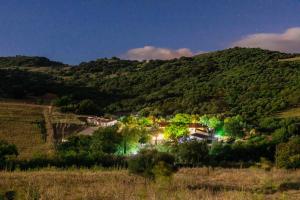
6 150
192 153
152 164
243 151
288 154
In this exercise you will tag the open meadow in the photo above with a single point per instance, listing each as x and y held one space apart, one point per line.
194 183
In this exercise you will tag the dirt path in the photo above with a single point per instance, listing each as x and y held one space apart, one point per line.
48 123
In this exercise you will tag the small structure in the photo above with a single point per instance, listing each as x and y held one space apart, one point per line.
100 121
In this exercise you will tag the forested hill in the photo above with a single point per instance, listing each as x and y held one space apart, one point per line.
27 61
250 82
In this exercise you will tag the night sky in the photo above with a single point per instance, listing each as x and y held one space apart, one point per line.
80 30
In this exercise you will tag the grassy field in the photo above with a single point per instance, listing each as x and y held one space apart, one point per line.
196 183
294 112
18 125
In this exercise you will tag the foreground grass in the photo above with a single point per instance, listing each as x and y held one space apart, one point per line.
197 183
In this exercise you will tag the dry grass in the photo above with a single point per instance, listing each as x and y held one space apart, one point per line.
290 59
198 183
294 112
67 118
18 126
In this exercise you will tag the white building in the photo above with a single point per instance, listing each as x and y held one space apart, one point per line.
100 121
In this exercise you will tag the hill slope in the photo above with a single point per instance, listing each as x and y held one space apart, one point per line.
24 122
250 82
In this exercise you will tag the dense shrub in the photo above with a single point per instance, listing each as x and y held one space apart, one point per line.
242 151
152 164
192 153
6 150
106 140
288 154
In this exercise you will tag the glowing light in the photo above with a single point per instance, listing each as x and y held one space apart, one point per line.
220 133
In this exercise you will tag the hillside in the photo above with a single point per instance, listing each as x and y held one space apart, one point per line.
20 122
250 82
41 126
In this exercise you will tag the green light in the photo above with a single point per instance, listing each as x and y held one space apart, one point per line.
220 133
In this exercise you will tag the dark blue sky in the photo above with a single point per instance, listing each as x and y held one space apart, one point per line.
79 30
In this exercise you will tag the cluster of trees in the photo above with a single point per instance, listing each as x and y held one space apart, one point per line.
118 140
110 146
234 126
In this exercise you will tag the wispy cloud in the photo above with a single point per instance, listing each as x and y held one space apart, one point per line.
288 41
151 52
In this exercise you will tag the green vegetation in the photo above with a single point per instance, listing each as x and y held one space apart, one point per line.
152 164
192 153
288 154
237 92
27 61
6 150
248 82
178 127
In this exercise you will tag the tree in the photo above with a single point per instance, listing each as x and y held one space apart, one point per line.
175 131
178 126
214 122
181 119
204 120
233 126
106 140
87 106
133 133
